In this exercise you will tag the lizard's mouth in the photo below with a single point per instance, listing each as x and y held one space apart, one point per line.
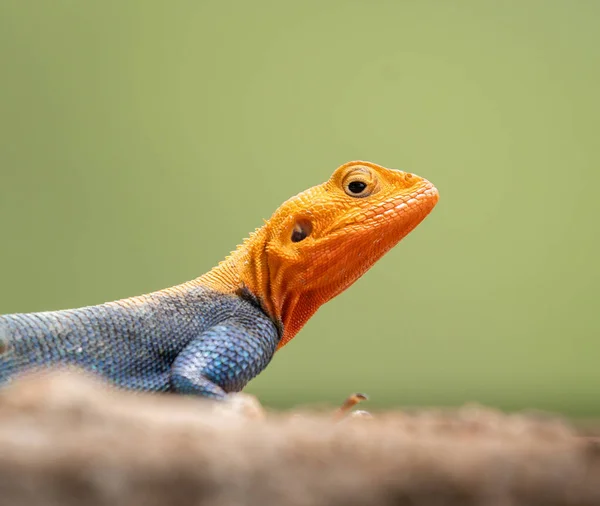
334 259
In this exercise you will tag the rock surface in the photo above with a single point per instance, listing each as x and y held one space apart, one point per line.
68 440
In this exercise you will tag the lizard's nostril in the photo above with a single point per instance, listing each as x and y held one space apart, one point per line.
410 179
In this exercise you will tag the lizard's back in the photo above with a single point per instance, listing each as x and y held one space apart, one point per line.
132 342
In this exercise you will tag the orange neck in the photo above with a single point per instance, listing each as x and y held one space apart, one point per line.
249 267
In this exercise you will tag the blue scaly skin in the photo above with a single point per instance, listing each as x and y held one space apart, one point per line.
210 336
188 339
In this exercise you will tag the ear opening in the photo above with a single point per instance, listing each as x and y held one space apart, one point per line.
302 229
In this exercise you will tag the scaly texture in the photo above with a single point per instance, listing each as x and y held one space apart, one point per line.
210 336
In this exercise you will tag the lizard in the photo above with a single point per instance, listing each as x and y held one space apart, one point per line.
211 335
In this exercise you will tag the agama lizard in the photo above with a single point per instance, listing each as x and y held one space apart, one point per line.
211 335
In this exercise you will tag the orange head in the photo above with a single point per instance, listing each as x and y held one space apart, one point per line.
323 239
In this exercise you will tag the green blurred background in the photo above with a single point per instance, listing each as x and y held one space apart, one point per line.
142 140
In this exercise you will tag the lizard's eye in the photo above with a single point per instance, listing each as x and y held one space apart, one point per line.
356 187
359 183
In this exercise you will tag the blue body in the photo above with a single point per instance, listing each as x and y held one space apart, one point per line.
188 339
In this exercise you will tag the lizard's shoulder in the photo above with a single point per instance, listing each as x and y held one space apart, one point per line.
217 306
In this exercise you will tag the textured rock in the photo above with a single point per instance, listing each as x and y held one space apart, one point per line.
67 440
